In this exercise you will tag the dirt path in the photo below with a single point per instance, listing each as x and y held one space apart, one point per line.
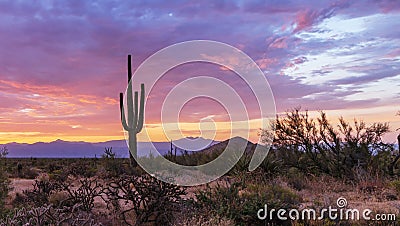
18 185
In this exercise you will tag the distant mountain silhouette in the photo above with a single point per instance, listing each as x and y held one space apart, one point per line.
81 149
235 140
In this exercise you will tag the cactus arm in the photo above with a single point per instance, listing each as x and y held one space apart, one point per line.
135 119
141 113
121 107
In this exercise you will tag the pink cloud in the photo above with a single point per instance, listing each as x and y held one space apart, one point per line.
279 43
305 19
388 6
266 63
393 53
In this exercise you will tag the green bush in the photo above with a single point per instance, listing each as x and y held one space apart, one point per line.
240 201
296 179
396 186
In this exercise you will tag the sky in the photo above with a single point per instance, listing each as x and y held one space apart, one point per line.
63 63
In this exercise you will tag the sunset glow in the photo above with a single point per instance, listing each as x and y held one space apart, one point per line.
63 64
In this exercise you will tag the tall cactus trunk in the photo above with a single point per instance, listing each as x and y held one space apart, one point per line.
132 136
132 148
135 116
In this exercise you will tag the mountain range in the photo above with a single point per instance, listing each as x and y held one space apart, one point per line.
81 149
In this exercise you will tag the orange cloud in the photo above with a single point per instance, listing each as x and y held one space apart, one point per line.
52 112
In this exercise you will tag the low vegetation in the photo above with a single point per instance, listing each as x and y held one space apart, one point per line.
311 164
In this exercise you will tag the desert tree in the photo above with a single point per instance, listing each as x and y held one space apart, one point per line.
316 145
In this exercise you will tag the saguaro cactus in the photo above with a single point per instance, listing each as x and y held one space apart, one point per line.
134 123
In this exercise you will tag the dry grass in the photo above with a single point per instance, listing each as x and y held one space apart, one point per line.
374 194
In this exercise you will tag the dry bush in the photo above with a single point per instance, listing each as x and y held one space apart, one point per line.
64 194
42 189
59 199
149 199
48 215
204 220
85 194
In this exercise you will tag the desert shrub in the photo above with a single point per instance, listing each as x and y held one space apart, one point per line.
228 204
19 200
204 220
48 215
272 166
59 199
241 201
59 175
29 173
149 199
4 188
81 168
396 186
21 168
42 189
296 179
384 163
3 154
85 194
52 166
62 193
4 182
241 165
112 166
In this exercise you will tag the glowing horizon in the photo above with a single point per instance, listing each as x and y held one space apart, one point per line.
63 65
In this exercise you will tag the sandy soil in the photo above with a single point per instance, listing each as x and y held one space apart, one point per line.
18 185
